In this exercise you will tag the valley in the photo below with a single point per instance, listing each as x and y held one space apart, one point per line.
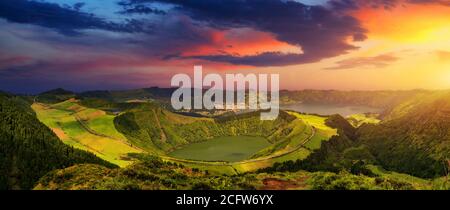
227 145
298 150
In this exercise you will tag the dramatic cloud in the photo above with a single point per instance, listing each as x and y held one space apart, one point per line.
183 29
365 62
344 5
320 32
63 19
131 8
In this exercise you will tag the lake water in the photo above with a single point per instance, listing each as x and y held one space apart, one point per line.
326 109
226 148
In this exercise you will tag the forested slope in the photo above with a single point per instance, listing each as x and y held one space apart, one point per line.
28 149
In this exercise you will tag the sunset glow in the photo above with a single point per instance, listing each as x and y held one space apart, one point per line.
397 45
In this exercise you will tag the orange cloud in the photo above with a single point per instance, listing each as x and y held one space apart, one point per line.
242 42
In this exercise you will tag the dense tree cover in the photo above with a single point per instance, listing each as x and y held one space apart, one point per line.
415 142
28 149
347 181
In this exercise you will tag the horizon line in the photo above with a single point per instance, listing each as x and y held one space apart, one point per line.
158 87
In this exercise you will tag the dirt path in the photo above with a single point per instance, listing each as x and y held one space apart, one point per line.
90 130
278 184
95 133
163 135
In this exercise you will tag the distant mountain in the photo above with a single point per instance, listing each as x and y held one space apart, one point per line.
28 149
57 91
54 96
133 94
385 100
379 99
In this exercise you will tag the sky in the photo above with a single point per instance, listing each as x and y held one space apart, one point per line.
324 44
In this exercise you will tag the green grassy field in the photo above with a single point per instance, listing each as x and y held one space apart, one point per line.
86 129
322 131
358 119
226 148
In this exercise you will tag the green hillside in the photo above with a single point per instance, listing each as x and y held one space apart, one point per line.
54 96
366 118
151 173
87 129
413 139
29 149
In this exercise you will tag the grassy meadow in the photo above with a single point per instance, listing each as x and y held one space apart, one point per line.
359 119
322 131
225 148
86 129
